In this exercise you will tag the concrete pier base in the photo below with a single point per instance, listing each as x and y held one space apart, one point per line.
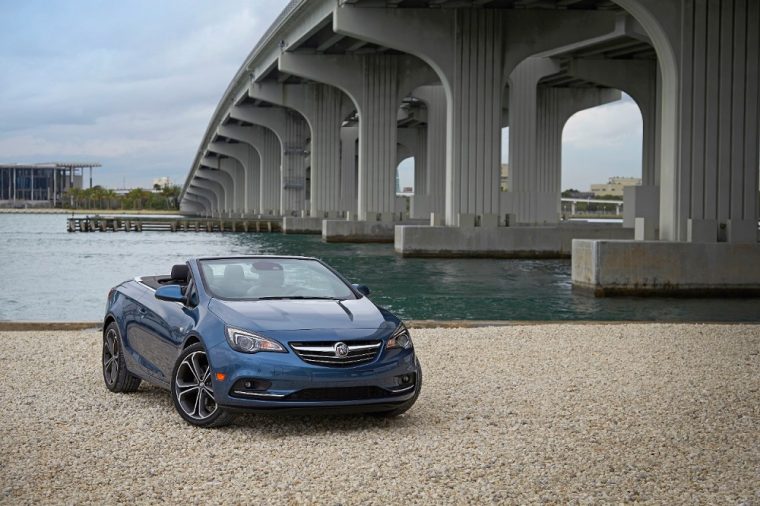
301 225
362 231
665 268
500 242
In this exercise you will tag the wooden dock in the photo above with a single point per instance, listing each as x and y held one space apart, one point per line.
170 224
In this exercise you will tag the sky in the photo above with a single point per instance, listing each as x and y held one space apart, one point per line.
133 84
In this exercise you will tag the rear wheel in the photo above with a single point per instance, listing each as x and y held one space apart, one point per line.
115 373
193 392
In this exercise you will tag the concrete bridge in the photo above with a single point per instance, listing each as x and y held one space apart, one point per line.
335 94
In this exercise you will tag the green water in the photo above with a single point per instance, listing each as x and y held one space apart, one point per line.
48 274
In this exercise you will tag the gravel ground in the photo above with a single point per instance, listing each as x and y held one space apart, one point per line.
544 413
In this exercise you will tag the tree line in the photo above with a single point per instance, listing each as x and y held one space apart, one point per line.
97 197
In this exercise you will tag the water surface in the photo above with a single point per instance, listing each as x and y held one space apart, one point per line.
48 274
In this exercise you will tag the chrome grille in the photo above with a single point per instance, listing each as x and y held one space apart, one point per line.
328 353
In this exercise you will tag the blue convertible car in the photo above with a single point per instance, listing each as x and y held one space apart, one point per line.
258 333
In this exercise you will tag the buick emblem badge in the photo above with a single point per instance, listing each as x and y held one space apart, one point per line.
341 350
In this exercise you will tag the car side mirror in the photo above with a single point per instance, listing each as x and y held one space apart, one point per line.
362 289
171 293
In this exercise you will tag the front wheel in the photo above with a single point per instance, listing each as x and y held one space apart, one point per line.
193 392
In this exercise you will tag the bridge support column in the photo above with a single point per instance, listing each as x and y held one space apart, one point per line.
376 84
247 153
252 181
431 197
325 144
473 52
212 190
349 168
324 108
291 131
235 162
204 206
191 207
213 172
639 79
265 165
268 146
205 203
709 56
537 118
235 169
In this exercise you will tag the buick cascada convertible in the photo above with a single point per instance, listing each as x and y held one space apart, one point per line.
258 334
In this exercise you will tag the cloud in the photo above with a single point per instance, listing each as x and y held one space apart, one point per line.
600 143
133 85
133 88
608 126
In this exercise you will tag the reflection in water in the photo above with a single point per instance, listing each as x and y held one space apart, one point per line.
49 274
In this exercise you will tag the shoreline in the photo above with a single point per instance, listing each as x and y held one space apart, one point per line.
49 210
31 326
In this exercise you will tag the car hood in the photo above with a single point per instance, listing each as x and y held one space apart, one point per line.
288 315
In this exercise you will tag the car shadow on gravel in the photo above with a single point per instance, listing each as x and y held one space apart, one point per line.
150 397
317 424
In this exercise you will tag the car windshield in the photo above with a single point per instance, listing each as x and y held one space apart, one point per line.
272 278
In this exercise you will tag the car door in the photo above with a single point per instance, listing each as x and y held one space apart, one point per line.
166 325
132 312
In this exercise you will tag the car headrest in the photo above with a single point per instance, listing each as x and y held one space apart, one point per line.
267 266
180 272
234 272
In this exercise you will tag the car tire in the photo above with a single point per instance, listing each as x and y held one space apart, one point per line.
192 390
115 373
403 408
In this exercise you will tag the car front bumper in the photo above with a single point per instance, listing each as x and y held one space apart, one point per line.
289 383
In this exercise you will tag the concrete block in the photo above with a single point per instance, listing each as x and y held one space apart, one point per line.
702 230
741 231
466 220
489 220
297 225
356 231
361 231
499 242
608 267
645 229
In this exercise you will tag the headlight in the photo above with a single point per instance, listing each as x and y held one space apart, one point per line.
248 342
400 338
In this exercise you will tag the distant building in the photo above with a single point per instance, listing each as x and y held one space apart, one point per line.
578 195
40 184
614 186
162 182
504 177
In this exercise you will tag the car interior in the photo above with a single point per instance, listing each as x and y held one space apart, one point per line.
180 275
